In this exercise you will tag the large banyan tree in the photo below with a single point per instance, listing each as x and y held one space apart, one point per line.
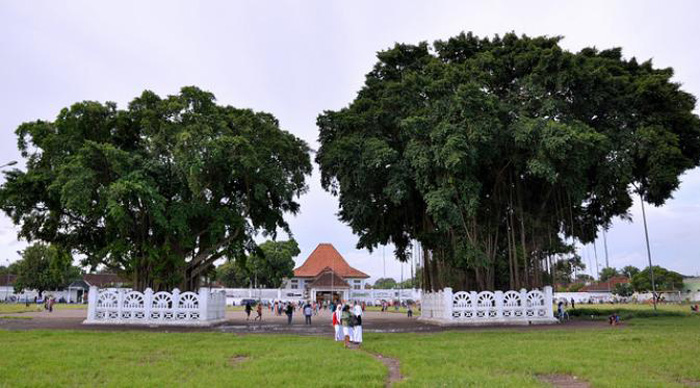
158 191
495 153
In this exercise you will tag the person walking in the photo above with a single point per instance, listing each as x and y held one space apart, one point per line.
307 314
573 304
345 321
289 311
409 310
248 309
259 311
357 329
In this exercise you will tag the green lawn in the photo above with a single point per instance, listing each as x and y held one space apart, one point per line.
13 308
66 306
652 352
401 310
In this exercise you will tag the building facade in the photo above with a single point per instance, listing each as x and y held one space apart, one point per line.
325 276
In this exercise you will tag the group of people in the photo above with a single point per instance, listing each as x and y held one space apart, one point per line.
347 322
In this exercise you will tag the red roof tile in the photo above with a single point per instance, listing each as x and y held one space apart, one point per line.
608 285
325 255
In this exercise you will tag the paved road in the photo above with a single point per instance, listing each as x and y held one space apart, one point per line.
373 322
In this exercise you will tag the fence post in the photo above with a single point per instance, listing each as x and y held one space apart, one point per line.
447 302
499 304
203 304
175 308
524 302
548 301
92 303
120 304
147 303
475 303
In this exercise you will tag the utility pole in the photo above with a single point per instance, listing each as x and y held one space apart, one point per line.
651 268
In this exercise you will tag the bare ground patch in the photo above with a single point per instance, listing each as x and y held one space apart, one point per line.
394 367
563 381
237 359
690 383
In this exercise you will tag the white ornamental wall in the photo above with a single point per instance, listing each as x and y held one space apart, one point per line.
486 307
122 306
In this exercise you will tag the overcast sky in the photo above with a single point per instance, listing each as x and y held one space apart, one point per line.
295 59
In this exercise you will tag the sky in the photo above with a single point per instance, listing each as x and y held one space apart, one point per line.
296 59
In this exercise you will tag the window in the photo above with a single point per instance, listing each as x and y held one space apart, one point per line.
294 286
357 287
357 281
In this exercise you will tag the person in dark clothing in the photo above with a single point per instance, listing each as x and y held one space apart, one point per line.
573 303
289 311
248 309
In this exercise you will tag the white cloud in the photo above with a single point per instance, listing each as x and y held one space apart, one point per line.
296 59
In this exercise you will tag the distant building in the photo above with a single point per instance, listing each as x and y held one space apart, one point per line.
75 292
325 275
606 286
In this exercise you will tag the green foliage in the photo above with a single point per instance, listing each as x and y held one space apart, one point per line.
575 287
607 273
630 271
385 283
157 191
623 289
268 266
664 279
584 277
45 267
11 269
489 151
565 269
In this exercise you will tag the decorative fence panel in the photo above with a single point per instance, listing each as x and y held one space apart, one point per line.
121 306
485 307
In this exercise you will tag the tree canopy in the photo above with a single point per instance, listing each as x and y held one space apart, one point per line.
268 266
157 191
497 153
45 267
385 283
630 271
607 273
664 279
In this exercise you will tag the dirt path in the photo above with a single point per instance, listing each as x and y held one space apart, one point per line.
563 381
394 367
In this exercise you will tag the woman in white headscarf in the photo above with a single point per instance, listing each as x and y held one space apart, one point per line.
336 323
357 330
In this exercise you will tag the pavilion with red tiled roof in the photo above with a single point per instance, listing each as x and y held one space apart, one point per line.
325 275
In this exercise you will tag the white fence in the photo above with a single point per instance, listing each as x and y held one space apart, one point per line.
510 307
121 306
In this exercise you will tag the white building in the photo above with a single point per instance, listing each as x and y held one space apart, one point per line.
325 275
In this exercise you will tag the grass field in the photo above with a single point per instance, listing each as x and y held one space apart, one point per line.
12 308
650 352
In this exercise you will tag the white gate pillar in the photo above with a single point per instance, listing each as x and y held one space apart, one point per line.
92 303
203 303
548 301
148 303
447 303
